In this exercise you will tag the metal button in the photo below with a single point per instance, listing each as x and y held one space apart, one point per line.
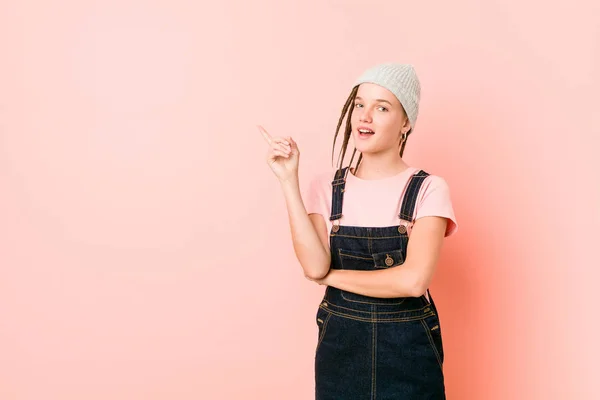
402 229
389 261
335 228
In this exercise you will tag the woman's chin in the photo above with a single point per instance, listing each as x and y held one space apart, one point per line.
364 148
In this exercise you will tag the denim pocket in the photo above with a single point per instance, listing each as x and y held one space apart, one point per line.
432 329
388 259
352 260
322 319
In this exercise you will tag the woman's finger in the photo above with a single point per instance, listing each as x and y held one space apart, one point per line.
279 153
265 134
281 140
282 147
294 146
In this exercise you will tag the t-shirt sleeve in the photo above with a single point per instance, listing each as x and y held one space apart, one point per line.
436 202
316 198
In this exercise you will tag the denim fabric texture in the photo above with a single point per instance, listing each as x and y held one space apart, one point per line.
376 348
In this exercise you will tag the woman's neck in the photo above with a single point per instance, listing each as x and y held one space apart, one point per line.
379 167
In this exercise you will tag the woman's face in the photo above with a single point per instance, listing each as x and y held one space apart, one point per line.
378 119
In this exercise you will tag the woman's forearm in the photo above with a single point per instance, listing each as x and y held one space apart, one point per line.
310 251
400 281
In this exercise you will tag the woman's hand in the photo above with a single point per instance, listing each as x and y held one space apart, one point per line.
283 156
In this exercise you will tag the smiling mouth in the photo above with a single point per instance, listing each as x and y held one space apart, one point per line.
364 132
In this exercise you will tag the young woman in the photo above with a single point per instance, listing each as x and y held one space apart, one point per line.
379 332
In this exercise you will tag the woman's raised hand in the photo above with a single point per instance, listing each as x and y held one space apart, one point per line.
283 155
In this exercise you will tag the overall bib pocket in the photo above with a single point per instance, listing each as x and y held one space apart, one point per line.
353 260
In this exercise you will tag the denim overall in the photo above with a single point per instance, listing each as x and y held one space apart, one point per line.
376 348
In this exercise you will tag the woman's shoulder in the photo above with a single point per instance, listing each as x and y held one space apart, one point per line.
435 200
434 187
324 177
432 180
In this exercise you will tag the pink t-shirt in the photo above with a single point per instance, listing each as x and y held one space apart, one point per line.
376 203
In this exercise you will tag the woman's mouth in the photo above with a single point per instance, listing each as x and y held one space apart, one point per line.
365 133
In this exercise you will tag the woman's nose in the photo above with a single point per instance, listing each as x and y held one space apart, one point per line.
365 115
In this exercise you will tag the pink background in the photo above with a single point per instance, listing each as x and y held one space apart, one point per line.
144 246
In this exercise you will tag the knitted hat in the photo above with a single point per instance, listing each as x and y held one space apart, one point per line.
402 81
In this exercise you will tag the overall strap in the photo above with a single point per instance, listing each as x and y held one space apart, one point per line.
411 193
338 186
407 212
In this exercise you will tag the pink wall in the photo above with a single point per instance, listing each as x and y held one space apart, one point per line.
128 272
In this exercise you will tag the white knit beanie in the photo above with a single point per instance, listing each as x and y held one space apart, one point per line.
402 81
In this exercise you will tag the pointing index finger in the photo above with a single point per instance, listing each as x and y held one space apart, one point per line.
265 134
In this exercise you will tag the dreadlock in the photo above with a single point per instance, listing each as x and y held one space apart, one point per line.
347 112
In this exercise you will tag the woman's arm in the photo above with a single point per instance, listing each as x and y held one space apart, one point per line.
309 233
410 279
312 249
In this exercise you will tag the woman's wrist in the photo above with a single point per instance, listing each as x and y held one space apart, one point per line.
290 183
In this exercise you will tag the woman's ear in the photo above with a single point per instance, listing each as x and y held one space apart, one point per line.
406 128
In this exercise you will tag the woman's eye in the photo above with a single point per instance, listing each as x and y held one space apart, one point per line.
383 108
357 105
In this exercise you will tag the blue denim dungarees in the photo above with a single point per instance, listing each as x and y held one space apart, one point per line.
376 348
